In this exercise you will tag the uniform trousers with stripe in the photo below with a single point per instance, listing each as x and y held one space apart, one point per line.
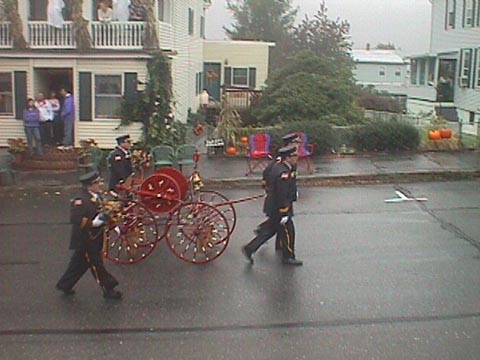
269 228
80 262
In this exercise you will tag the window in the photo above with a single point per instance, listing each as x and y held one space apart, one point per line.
198 83
468 8
471 117
164 10
422 66
465 67
476 11
108 96
190 21
240 76
202 27
381 72
450 14
413 71
398 72
431 70
6 96
477 84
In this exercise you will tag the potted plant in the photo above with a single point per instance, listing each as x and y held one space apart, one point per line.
17 147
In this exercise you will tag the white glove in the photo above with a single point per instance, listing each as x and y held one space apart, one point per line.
98 221
284 220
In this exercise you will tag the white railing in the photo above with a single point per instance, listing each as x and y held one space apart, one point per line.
118 34
5 36
165 35
43 36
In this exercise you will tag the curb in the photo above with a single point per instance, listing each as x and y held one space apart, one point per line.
302 181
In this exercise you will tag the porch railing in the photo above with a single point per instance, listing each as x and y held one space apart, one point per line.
5 36
118 35
43 36
241 98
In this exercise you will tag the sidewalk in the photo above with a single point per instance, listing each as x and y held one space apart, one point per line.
328 170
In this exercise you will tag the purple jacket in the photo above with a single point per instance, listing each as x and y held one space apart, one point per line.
31 118
68 110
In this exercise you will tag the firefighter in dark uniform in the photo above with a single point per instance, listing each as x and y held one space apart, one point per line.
120 163
87 239
278 207
288 139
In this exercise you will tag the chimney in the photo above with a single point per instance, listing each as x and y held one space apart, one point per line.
367 46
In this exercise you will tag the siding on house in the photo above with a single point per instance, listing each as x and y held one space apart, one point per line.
384 69
233 53
446 44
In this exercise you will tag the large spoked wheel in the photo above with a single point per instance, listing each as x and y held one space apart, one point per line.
160 193
132 233
221 202
197 232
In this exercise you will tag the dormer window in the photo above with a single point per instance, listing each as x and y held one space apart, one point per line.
468 9
164 10
450 7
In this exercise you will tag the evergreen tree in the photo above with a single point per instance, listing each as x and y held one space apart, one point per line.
263 20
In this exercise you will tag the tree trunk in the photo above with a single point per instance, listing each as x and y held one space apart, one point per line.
11 8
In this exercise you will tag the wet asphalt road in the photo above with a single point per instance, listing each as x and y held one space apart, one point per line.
380 281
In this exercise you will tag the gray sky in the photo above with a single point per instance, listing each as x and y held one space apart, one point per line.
405 23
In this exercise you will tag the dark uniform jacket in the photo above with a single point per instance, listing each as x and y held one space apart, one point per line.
83 210
281 190
120 165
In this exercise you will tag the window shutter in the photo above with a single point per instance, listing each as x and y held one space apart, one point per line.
252 78
470 68
227 78
85 96
20 83
464 13
473 71
130 88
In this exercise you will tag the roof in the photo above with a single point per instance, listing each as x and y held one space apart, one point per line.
377 56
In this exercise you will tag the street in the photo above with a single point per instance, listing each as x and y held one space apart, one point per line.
380 281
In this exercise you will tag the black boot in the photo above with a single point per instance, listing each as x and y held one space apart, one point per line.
67 292
247 254
292 261
112 294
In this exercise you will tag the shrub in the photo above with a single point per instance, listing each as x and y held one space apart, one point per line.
385 135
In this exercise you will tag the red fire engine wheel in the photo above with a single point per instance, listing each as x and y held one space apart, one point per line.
132 233
160 193
178 177
220 201
197 232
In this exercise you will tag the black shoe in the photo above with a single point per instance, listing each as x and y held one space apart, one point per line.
112 294
292 261
247 254
67 292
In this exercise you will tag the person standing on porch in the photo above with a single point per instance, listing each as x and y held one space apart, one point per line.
31 123
57 121
46 119
104 12
68 117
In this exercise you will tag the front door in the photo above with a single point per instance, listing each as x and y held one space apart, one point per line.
211 79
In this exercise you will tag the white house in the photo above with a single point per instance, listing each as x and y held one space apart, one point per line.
240 67
385 70
115 67
447 79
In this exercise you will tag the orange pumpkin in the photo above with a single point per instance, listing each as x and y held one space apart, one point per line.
231 150
244 139
446 133
434 135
